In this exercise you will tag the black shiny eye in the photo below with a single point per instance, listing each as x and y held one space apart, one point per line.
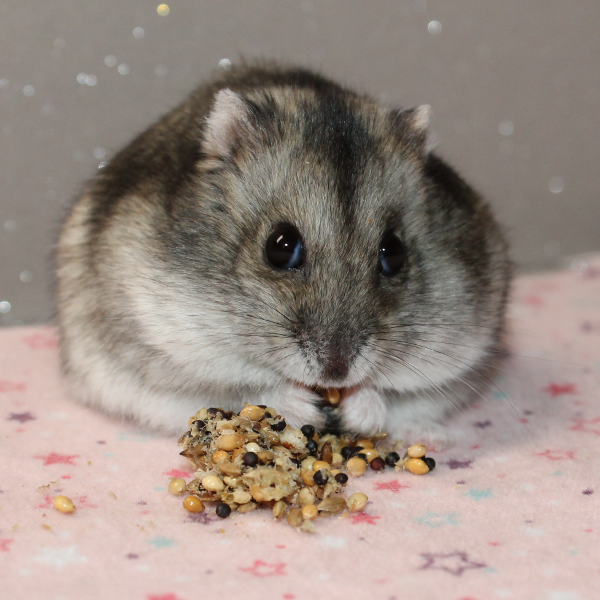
391 255
284 248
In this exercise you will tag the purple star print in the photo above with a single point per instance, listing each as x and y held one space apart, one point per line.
459 464
455 563
588 492
21 417
201 518
482 424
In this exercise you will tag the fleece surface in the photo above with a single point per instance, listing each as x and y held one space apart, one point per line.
511 511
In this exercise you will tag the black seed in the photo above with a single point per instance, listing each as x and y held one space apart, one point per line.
377 464
214 411
263 406
363 456
256 427
200 425
250 459
223 510
308 431
342 478
346 452
392 458
356 450
279 426
321 477
296 462
311 446
229 415
429 462
269 414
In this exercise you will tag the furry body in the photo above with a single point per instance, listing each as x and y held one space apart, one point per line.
166 302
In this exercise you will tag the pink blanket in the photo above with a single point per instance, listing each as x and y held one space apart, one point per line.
511 511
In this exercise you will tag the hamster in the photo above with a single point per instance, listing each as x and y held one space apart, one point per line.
274 234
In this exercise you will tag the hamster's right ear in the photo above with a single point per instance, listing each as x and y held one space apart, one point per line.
228 125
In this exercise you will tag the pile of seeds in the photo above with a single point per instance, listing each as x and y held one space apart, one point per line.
254 458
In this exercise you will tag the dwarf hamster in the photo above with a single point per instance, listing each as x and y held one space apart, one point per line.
275 233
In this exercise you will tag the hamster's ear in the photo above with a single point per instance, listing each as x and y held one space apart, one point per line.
420 118
414 124
228 125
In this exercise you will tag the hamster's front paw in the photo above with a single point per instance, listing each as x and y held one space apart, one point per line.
418 420
298 404
363 410
435 436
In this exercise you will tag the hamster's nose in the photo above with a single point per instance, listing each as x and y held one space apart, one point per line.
336 368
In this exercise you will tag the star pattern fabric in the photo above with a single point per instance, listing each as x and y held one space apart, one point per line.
510 511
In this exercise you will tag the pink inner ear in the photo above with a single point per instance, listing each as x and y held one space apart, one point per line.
421 117
226 121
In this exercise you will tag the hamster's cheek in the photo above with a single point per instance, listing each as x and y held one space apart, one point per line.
363 410
298 403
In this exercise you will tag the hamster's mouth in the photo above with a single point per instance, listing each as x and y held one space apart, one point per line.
330 407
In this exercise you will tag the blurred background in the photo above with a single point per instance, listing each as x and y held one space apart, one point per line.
514 86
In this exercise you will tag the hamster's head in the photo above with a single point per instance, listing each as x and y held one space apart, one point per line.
330 248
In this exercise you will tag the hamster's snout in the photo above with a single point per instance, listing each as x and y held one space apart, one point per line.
331 355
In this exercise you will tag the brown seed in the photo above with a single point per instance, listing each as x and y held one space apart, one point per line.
229 468
294 517
265 456
327 453
307 477
364 443
309 511
337 460
220 456
377 464
177 486
417 466
63 504
357 502
271 438
193 504
238 452
417 451
212 483
320 464
306 496
244 508
231 441
334 504
279 509
356 466
254 413
370 453
332 395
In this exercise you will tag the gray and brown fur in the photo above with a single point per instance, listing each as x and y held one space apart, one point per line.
167 303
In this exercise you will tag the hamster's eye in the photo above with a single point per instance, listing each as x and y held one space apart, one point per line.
284 248
391 255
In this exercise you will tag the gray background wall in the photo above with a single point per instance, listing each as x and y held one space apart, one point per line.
514 85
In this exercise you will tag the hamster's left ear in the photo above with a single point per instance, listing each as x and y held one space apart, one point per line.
413 124
229 126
